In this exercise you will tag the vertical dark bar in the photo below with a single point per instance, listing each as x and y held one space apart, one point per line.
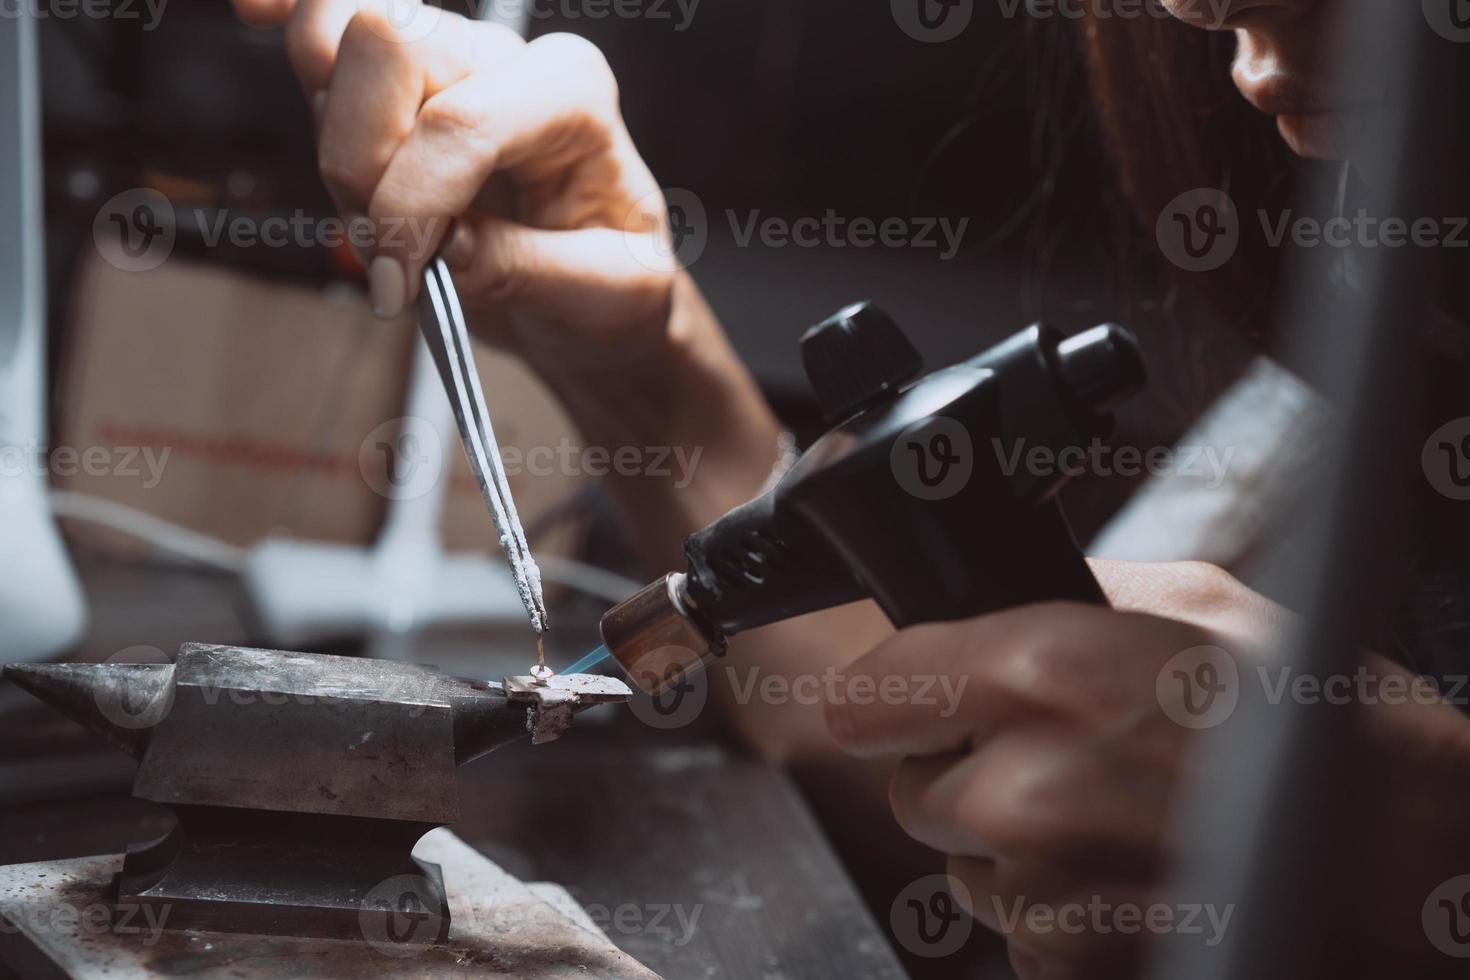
1273 826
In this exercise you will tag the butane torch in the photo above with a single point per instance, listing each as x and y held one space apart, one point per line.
934 495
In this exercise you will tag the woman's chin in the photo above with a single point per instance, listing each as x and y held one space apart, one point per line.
1319 136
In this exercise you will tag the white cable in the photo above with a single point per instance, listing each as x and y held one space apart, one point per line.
174 541
588 579
168 538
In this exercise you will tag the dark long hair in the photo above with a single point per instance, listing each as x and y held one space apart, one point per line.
1173 122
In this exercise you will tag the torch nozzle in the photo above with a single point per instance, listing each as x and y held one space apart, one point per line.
655 638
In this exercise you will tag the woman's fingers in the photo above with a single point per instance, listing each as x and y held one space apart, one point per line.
548 110
378 86
936 688
931 797
594 280
946 686
1037 793
417 116
314 32
264 13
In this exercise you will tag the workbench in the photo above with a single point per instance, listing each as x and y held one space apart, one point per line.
693 859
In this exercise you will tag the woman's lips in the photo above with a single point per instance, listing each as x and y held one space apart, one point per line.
1314 121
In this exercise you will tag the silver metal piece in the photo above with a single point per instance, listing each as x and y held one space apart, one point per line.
540 673
554 700
443 324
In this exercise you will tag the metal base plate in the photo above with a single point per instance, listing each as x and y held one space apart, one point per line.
55 922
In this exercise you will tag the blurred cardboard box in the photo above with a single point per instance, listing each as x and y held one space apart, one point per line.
242 408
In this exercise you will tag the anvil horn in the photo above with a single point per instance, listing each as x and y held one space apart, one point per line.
120 702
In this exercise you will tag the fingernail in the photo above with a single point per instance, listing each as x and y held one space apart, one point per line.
460 247
386 283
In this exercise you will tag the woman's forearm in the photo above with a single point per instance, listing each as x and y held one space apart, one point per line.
694 400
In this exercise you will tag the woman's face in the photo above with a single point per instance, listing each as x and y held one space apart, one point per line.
1281 68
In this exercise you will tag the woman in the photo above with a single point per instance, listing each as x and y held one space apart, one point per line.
1052 782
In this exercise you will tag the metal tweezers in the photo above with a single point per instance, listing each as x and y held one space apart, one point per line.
442 320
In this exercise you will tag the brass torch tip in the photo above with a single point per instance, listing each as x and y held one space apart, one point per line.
654 638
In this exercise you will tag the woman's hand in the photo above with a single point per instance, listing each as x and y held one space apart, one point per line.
1050 777
1047 779
512 157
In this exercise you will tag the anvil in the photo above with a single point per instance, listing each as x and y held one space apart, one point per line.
301 781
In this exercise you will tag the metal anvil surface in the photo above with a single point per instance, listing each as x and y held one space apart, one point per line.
301 781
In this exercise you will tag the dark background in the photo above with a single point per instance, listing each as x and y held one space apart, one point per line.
788 108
